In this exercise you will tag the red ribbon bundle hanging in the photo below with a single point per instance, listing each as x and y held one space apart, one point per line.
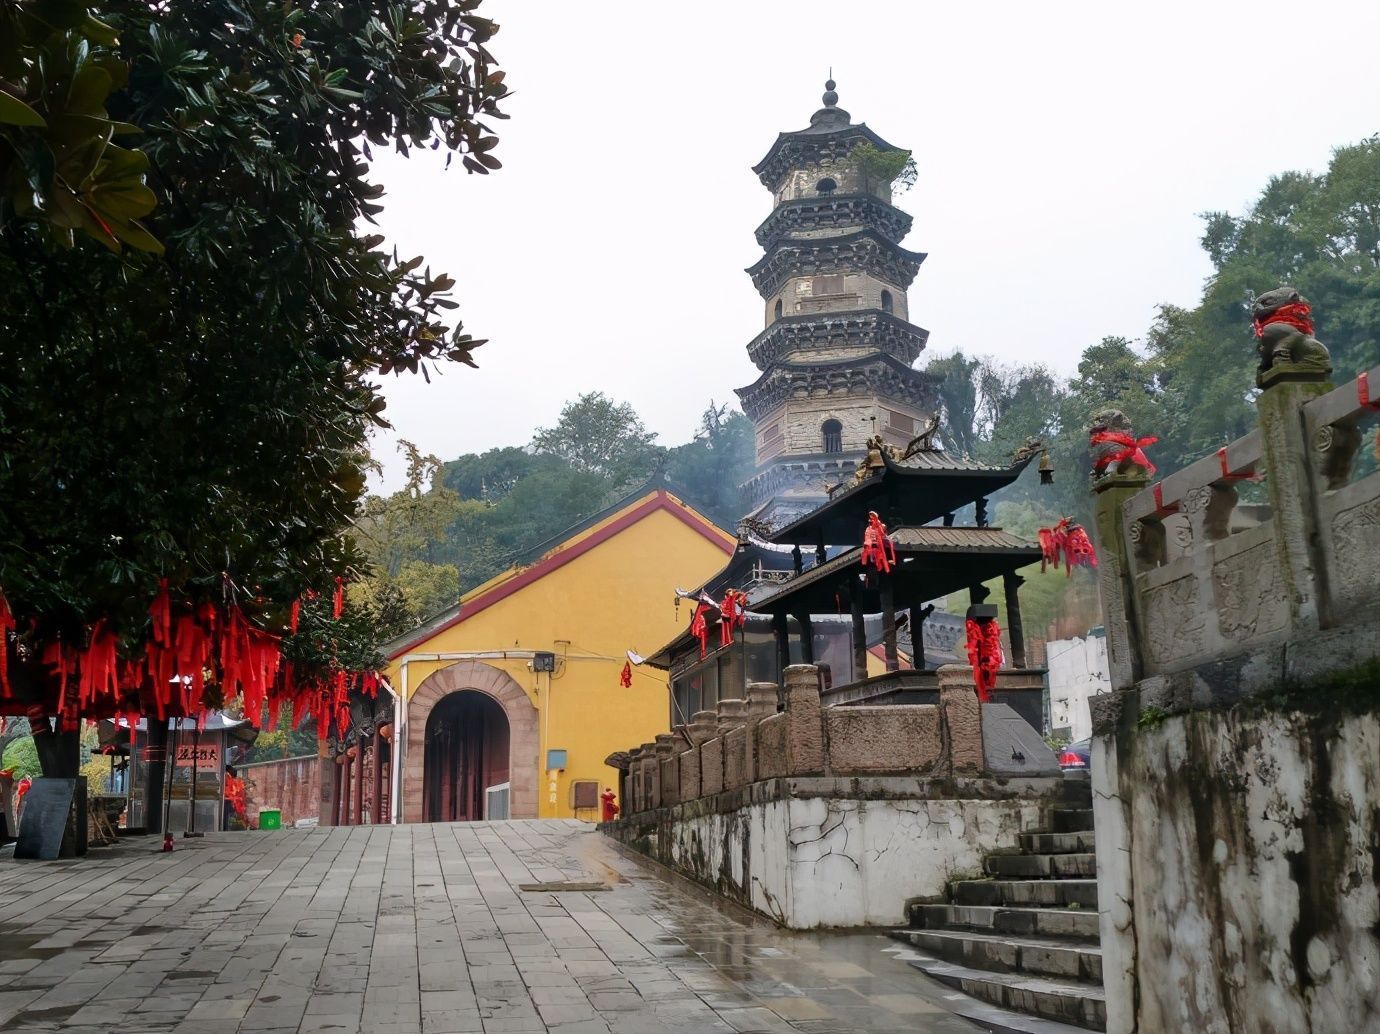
1133 449
625 676
699 626
1069 542
1298 315
338 602
984 654
98 667
878 550
732 615
1078 550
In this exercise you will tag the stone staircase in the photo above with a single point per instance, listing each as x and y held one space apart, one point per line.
1024 939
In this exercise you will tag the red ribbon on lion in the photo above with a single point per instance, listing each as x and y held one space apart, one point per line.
1133 449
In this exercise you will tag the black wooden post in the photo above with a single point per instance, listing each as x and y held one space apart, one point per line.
807 638
893 662
157 754
859 638
782 631
1012 582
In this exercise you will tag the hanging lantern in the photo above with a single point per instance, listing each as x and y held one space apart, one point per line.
1046 469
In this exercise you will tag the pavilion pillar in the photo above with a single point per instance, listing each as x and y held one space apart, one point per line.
893 662
859 638
782 629
376 816
359 781
1012 582
918 614
344 767
157 748
977 594
807 638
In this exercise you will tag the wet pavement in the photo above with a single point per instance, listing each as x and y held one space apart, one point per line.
424 929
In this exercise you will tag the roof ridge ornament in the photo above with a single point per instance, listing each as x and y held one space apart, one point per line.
830 98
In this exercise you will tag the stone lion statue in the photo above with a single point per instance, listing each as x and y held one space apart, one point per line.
1110 457
1283 323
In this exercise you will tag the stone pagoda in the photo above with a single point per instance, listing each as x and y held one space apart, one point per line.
838 346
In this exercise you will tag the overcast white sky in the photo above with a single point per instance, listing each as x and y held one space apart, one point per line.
1064 152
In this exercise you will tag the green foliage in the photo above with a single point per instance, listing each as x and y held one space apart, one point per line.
283 741
97 772
206 409
59 164
895 167
1151 717
456 525
597 435
21 757
712 466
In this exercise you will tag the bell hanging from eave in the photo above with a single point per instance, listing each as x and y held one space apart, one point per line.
1046 469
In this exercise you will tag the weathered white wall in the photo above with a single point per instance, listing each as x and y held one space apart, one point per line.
1078 670
1252 898
812 862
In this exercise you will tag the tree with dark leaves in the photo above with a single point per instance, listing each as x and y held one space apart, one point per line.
192 331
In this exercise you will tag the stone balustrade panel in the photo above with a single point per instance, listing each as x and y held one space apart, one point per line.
711 767
1337 425
868 740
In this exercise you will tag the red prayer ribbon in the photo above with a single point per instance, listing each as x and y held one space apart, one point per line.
1297 314
1133 449
984 654
1363 392
878 550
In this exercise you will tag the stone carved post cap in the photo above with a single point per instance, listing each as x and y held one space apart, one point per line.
702 727
665 744
731 713
954 676
761 699
802 686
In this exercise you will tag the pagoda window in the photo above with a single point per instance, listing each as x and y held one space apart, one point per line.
833 436
900 422
886 301
779 306
826 186
830 283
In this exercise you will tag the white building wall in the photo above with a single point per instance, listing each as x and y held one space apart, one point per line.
1077 670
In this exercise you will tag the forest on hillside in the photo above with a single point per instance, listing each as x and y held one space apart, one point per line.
1189 381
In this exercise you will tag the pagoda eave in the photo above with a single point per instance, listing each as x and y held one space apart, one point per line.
875 374
868 328
833 212
817 143
864 251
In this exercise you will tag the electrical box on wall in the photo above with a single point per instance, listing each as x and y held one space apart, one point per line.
555 759
544 662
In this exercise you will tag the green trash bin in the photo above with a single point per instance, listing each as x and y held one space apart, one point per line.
270 818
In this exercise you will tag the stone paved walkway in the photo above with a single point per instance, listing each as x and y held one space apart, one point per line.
421 929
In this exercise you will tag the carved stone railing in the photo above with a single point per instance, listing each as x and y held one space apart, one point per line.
1346 518
1189 577
748 741
1021 689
